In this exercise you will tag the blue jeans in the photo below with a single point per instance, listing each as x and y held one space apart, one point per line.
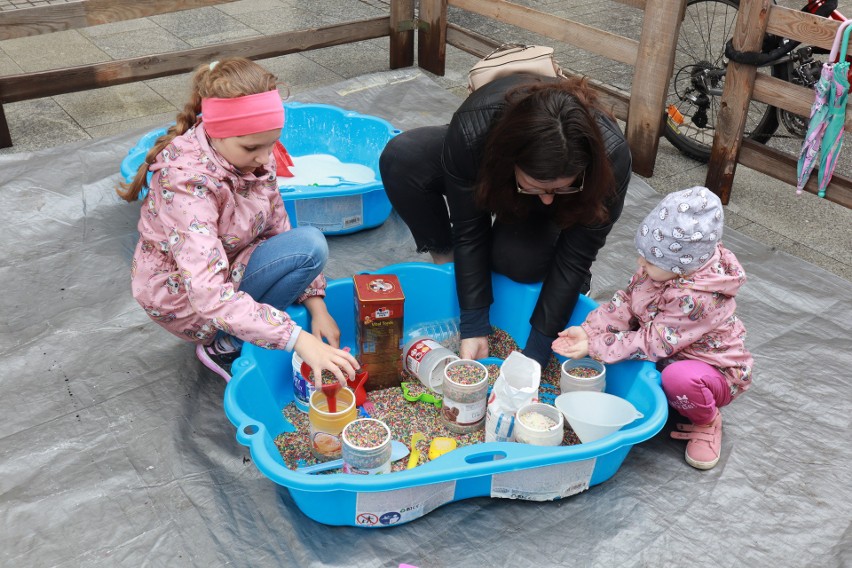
282 267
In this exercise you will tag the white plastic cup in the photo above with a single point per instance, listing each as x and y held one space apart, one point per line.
426 359
593 415
526 433
570 383
464 405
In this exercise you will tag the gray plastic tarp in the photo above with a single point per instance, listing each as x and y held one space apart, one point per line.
116 450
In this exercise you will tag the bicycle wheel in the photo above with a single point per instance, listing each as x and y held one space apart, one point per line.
698 78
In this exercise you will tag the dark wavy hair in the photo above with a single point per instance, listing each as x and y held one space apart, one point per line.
548 130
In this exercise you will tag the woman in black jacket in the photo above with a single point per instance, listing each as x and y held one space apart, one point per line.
526 180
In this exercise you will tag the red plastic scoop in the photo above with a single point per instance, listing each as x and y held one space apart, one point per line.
330 391
282 160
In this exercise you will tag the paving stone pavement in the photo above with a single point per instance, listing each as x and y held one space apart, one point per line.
815 230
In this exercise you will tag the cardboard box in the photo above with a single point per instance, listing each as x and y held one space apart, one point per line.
379 307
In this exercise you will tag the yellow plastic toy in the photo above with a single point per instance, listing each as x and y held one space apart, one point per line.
440 446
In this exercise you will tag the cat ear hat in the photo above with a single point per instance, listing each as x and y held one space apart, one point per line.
681 233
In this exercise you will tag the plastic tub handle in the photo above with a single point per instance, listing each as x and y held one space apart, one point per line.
484 457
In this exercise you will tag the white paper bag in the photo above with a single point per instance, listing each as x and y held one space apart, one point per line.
516 386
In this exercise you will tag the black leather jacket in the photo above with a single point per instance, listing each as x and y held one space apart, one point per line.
577 247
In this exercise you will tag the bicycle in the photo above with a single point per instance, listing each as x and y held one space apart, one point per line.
701 57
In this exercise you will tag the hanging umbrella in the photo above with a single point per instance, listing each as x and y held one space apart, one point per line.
832 139
819 117
816 127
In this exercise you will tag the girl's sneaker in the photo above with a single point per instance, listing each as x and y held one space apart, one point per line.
218 357
705 442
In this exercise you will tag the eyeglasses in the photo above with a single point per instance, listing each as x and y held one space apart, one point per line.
564 190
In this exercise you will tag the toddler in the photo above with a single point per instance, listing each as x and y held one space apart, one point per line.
679 311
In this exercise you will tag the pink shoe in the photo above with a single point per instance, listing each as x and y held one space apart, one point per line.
215 360
705 442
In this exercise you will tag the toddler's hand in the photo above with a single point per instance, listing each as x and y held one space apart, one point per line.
572 342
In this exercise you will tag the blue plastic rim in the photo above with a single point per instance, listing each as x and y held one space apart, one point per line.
350 136
262 386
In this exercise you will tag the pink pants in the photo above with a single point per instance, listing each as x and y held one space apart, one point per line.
695 389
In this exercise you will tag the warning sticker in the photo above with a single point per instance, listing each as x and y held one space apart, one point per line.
544 483
385 508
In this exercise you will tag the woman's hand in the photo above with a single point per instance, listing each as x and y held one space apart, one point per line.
474 348
323 325
323 357
572 342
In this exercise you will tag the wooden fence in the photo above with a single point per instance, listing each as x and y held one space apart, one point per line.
398 25
742 83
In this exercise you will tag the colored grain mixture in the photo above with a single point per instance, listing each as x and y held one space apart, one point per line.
403 417
583 372
465 374
365 434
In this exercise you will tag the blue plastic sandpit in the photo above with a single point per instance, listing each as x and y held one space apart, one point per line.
310 129
262 386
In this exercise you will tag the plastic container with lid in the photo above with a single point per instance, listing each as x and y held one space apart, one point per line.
533 427
303 387
426 359
366 447
325 426
465 399
578 381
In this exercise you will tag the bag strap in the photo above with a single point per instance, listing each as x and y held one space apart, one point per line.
509 47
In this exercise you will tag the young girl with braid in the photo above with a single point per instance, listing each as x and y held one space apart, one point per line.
217 261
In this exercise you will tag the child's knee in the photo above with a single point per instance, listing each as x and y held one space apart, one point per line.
316 244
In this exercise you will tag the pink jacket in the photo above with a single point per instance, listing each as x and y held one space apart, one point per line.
199 224
685 318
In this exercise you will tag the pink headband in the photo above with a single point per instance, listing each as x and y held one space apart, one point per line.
239 116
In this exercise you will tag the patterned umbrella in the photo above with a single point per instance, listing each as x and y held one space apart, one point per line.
832 139
827 104
816 127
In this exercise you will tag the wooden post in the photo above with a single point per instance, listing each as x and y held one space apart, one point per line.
736 96
651 76
401 33
5 135
432 36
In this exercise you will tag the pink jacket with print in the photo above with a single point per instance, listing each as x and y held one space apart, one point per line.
199 224
692 317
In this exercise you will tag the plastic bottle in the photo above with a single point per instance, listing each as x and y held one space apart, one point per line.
445 331
425 358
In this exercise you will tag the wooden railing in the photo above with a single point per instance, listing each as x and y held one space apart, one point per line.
652 56
743 83
398 26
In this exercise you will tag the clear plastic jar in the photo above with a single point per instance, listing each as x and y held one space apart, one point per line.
326 426
366 447
426 359
569 382
465 396
446 332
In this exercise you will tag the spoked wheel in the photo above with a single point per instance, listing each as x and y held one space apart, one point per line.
698 78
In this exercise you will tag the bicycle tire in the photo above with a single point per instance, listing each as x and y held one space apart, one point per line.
706 26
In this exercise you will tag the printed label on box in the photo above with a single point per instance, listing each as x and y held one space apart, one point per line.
382 508
544 483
